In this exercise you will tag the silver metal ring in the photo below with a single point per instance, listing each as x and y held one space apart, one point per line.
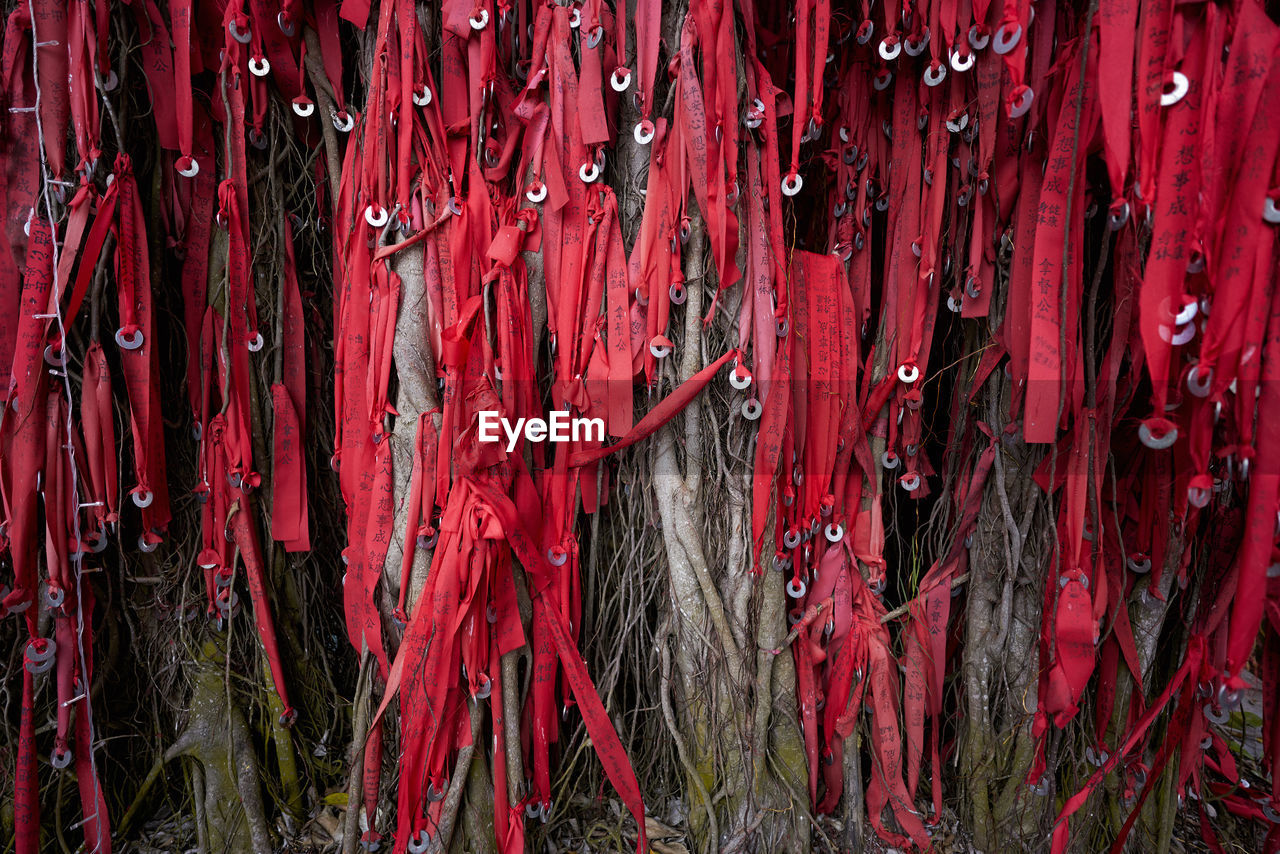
60 757
751 409
890 47
286 25
1270 212
255 342
146 547
1157 443
1216 716
1007 39
889 460
1175 89
40 654
910 482
961 61
915 48
740 382
54 596
908 373
536 193
677 293
259 66
978 40
1118 216
620 84
375 215
935 73
129 342
190 170
1184 315
659 351
341 124
427 541
422 97
882 80
486 688
865 31
143 498
1177 336
791 184
834 532
243 38
797 591
643 132
419 843
97 542
588 172
1139 563
1020 102
479 20
1197 383
556 556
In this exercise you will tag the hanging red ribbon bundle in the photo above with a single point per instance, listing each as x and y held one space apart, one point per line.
947 132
